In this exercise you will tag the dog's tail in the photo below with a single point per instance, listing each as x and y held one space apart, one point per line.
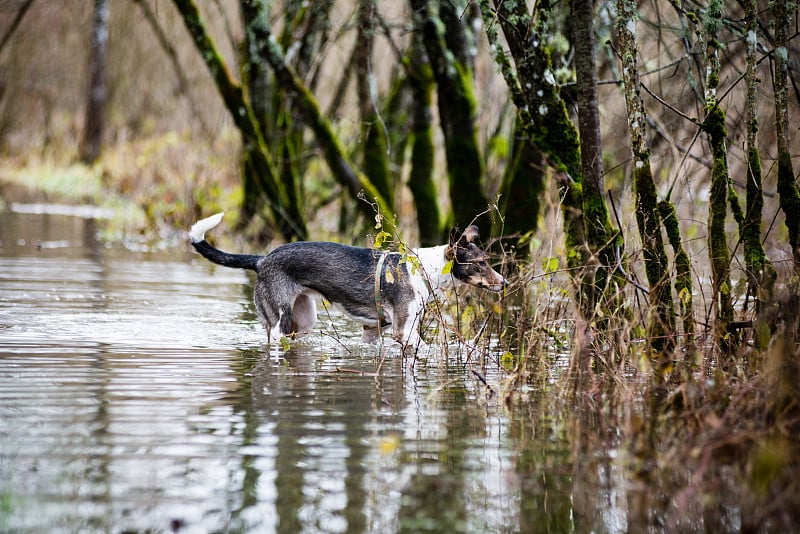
197 236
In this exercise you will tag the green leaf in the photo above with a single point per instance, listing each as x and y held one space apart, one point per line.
550 265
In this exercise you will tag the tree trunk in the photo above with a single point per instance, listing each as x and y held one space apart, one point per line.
456 102
604 242
787 187
373 134
355 181
275 123
662 313
420 179
543 114
523 182
760 273
714 126
96 103
12 28
683 271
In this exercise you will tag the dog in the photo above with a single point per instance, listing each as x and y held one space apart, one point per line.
376 288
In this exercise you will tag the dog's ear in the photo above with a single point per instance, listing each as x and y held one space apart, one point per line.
457 237
470 234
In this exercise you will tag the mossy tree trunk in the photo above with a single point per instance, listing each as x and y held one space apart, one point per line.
420 178
546 121
683 271
373 132
602 286
275 122
343 169
787 187
760 273
662 312
92 141
443 34
714 127
542 113
257 158
523 182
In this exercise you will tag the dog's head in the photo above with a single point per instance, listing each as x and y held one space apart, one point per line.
470 262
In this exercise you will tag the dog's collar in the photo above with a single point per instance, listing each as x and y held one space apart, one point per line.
378 276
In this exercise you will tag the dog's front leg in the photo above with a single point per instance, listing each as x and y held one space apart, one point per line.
405 324
371 334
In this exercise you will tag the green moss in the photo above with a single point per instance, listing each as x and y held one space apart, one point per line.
683 267
375 164
714 123
719 255
790 200
662 321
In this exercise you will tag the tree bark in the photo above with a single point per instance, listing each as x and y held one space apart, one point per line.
543 114
375 163
96 103
523 182
760 273
15 24
604 242
274 121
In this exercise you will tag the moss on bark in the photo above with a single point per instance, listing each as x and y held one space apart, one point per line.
420 178
442 29
662 316
683 268
523 182
352 178
719 255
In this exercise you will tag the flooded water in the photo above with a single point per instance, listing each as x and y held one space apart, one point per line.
138 394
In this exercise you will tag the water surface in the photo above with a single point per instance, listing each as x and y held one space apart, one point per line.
138 394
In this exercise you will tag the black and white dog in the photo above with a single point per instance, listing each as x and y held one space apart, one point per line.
376 288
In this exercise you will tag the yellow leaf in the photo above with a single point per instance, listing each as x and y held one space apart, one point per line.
389 276
448 267
389 444
381 238
684 295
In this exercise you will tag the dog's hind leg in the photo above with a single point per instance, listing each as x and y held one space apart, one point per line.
269 313
304 314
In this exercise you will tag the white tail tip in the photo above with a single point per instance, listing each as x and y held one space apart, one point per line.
199 229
